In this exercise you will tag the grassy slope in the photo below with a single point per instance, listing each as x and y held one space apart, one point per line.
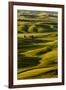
48 59
37 57
35 72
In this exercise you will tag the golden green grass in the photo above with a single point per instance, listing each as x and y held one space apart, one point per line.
37 45
35 72
48 61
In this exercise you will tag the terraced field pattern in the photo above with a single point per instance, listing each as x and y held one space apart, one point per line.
37 37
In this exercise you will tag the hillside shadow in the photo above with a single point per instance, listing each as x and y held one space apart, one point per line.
25 62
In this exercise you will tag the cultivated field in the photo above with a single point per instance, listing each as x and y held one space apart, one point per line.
37 44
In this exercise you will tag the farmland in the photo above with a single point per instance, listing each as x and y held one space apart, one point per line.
37 44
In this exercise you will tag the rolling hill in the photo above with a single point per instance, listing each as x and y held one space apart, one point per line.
37 44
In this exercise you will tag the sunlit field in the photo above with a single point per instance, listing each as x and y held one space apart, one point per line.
37 44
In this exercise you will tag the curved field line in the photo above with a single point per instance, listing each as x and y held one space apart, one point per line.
34 72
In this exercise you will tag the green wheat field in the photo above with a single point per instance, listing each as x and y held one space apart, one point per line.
37 44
